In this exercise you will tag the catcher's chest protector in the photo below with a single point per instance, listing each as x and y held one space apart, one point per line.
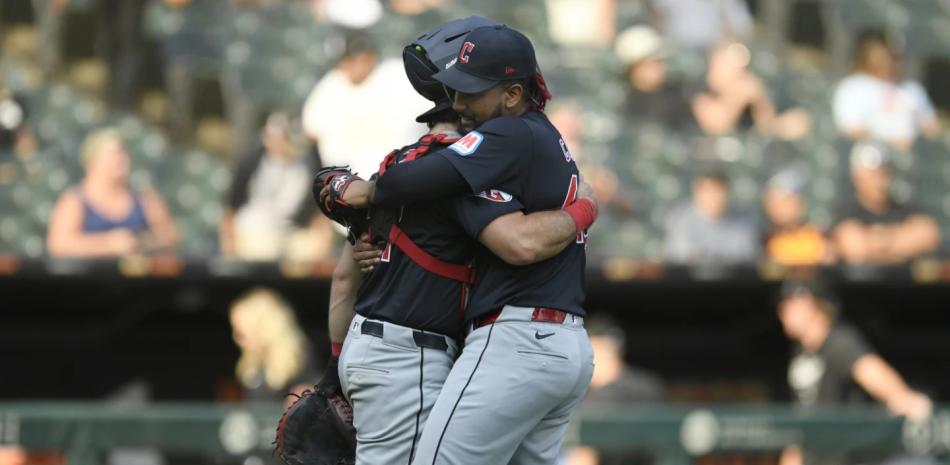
396 236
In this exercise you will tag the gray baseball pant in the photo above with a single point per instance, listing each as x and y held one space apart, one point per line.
392 384
510 394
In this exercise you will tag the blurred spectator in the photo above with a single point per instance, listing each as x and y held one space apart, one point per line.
269 213
351 14
49 20
651 96
790 241
581 22
705 231
876 102
275 355
103 216
362 109
832 363
734 98
10 455
569 121
874 227
121 40
416 7
613 380
614 384
701 24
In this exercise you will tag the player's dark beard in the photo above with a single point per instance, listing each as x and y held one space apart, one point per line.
469 121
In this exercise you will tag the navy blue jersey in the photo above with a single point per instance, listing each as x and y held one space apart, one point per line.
402 292
526 157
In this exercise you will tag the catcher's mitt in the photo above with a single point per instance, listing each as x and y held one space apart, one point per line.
336 179
317 430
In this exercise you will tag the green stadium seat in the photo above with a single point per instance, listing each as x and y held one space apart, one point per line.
860 14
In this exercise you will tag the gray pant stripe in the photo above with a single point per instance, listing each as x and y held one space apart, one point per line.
435 455
415 436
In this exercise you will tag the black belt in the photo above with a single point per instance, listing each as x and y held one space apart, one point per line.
427 340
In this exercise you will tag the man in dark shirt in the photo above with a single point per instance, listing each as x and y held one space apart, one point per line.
874 228
832 362
268 210
614 384
651 95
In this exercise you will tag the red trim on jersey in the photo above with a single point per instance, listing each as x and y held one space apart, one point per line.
571 192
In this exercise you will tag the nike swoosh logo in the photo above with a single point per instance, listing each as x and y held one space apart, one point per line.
538 335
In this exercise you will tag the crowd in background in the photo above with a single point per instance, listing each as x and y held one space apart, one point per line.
699 151
707 141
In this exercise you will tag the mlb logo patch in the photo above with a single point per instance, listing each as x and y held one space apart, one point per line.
468 144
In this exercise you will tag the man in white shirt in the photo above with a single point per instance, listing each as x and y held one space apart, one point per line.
875 102
362 109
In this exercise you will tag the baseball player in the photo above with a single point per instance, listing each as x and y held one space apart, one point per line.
527 359
401 344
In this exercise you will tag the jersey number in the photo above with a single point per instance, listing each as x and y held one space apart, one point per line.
569 199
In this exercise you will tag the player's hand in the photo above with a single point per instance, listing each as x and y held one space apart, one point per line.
359 194
586 191
366 255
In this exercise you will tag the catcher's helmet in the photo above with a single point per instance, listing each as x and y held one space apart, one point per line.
430 53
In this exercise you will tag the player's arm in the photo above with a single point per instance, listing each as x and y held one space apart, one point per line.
882 382
500 150
424 179
343 286
521 239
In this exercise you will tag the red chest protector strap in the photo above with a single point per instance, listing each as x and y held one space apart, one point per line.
397 237
425 144
454 271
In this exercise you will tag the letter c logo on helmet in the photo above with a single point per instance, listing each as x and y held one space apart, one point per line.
466 49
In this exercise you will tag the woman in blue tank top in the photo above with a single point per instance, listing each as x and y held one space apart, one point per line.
103 216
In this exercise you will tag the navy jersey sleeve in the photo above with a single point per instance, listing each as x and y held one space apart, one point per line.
495 153
427 178
473 212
